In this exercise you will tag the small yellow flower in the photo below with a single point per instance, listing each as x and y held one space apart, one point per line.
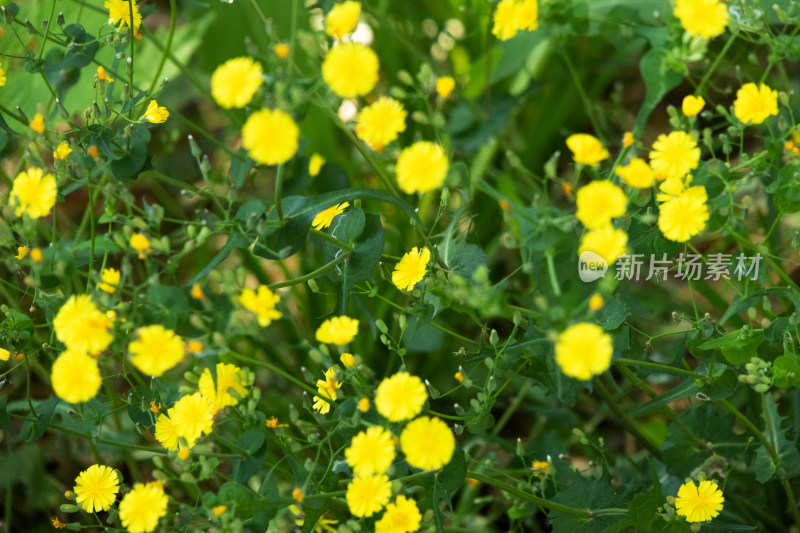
755 103
93 151
637 174
184 453
36 255
155 407
699 503
584 350
586 149
3 76
540 468
194 346
367 495
192 416
110 277
155 350
342 19
297 494
381 122
326 387
37 124
459 377
5 355
692 105
427 443
315 165
58 524
421 167
140 243
155 113
62 151
596 302
350 69
323 219
370 452
598 202
347 360
400 397
674 155
403 515
272 423
219 509
363 405
627 139
262 303
702 18
235 82
22 252
119 11
338 330
411 269
281 50
445 86
34 193
196 292
142 507
684 216
75 376
270 136
229 385
81 326
101 75
510 16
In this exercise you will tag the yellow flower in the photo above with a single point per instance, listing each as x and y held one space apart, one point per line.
584 350
81 326
219 509
370 452
228 379
155 350
119 11
193 416
607 242
141 508
93 151
324 218
368 495
315 165
326 387
400 397
380 123
184 453
110 277
411 269
427 443
514 15
155 407
166 430
458 376
637 174
445 86
96 488
674 155
528 15
400 517
262 303
363 405
338 330
75 377
270 136
692 105
673 187
540 468
36 255
273 423
4 354
627 139
101 75
37 124
421 167
297 494
598 202
194 346
155 113
595 303
281 50
62 151
22 252
234 82
342 19
755 103
2 77
699 503
347 360
196 292
57 524
141 244
586 149
702 18
350 69
683 217
34 193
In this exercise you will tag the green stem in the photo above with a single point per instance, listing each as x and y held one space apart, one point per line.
279 194
584 98
623 417
551 271
715 64
173 18
659 366
311 275
90 213
273 368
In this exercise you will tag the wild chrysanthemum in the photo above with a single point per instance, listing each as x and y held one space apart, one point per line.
702 18
326 387
402 516
370 452
400 397
166 430
342 19
62 151
755 103
421 167
699 503
607 242
338 330
673 187
427 443
411 269
347 360
350 69
637 174
674 155
584 350
315 164
22 252
119 11
369 494
262 303
110 277
193 416
381 122
598 202
586 149
155 350
2 77
514 15
234 82
228 380
140 243
101 75
34 193
692 105
75 376
96 488
281 50
155 113
5 355
324 218
270 136
445 86
684 216
141 508
37 124
81 326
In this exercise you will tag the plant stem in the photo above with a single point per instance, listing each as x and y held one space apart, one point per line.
173 18
311 275
623 417
279 193
659 366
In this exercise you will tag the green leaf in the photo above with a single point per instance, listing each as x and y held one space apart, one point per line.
5 422
659 80
612 314
788 455
130 163
44 410
235 240
240 168
735 349
787 195
786 371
